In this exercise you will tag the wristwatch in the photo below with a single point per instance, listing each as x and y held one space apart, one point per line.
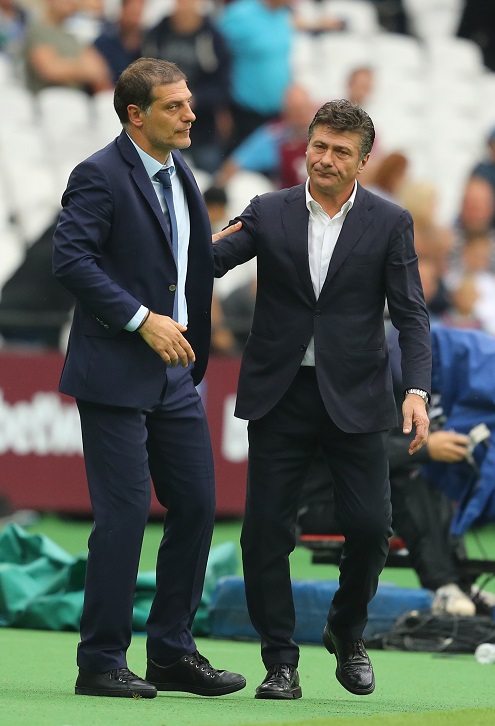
419 392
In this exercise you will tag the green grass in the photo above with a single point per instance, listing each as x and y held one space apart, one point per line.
37 670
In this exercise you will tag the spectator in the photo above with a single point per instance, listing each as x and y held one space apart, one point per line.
34 307
54 57
388 177
486 168
434 289
222 339
259 34
216 204
277 148
13 19
475 218
431 240
360 88
120 42
188 38
360 85
473 284
464 296
238 309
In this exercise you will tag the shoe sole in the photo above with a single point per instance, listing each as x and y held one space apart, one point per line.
81 691
280 695
328 643
223 691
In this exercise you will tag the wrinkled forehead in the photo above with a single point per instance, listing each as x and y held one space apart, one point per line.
330 135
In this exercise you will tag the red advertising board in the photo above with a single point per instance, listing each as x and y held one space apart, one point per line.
41 463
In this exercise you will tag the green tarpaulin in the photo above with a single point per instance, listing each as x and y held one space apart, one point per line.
41 586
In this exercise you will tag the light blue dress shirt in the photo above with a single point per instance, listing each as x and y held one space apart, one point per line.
153 166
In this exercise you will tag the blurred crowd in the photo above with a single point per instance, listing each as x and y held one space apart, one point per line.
252 119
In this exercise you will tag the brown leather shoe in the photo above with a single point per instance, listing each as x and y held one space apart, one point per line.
194 674
120 682
281 681
354 670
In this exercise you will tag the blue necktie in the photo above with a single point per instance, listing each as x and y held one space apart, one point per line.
164 177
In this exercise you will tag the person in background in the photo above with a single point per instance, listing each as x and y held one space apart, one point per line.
120 42
34 308
259 35
216 203
189 38
238 309
278 148
360 86
13 20
222 339
133 245
432 240
476 216
316 372
54 57
388 176
486 168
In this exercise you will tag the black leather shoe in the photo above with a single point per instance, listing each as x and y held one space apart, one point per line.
120 682
282 681
354 669
193 674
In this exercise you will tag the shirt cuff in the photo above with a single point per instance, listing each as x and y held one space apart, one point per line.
136 321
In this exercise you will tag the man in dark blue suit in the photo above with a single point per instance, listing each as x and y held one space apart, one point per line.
315 371
133 244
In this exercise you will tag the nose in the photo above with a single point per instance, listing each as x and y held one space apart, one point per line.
190 115
327 158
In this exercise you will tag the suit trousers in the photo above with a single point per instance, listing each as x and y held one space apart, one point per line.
123 447
282 445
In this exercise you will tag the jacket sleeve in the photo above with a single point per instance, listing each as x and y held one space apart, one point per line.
78 247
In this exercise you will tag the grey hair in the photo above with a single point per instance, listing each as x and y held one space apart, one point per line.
342 115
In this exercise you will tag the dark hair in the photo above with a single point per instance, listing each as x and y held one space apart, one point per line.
135 85
215 195
342 115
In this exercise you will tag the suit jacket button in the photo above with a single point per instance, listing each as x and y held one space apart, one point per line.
303 348
317 313
172 288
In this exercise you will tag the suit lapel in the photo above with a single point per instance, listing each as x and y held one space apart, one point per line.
356 222
142 181
295 218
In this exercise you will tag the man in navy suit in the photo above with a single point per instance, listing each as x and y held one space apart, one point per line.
316 370
133 244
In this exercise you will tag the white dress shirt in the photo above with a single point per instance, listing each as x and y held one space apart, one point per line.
323 233
153 166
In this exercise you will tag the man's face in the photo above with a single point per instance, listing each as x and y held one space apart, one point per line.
169 121
333 160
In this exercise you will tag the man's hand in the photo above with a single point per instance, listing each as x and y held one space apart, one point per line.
225 232
448 446
164 335
414 413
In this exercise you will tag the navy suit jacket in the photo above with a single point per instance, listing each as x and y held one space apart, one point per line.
374 261
112 251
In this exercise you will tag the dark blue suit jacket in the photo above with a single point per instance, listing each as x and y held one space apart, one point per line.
112 252
374 260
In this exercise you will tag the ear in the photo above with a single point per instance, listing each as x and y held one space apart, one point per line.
362 163
135 115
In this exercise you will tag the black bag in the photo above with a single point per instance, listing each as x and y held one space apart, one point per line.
420 631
